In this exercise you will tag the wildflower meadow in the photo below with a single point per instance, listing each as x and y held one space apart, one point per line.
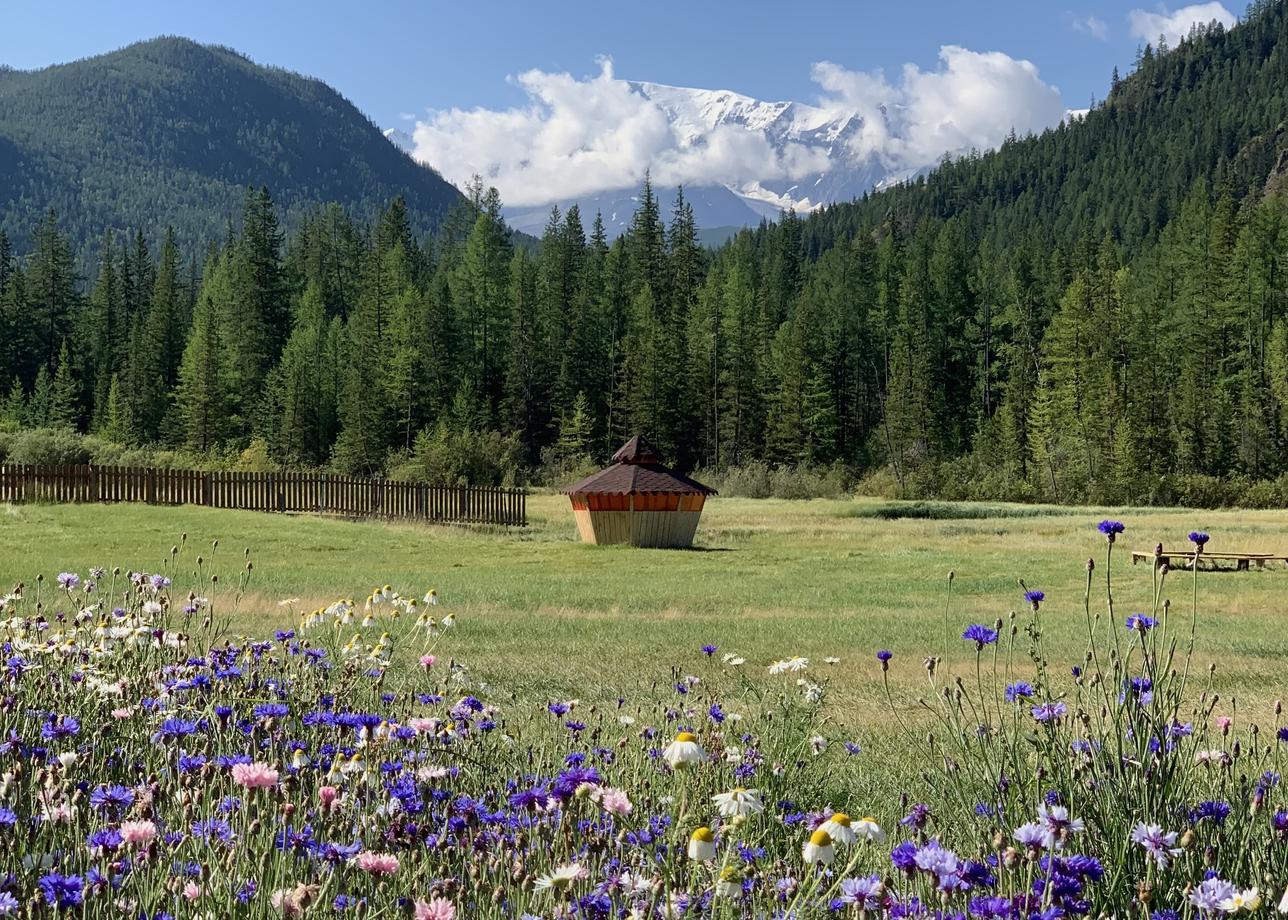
153 764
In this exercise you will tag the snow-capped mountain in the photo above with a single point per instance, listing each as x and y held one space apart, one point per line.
792 130
811 155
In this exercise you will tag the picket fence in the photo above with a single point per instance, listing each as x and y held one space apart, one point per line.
322 493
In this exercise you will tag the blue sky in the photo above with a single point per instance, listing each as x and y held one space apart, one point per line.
405 57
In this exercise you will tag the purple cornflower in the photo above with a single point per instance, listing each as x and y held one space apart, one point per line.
1033 835
1019 690
1158 844
904 856
1111 529
863 893
68 580
980 634
917 816
1050 712
1213 896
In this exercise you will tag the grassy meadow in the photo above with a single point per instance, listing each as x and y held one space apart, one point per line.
541 614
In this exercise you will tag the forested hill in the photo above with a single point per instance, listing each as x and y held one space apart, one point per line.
170 133
1213 108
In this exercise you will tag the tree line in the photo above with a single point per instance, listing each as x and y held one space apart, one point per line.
914 352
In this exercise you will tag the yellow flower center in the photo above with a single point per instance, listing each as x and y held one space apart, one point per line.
841 818
739 791
704 835
821 838
686 736
868 819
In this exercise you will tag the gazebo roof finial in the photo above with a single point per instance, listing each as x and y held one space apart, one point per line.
637 450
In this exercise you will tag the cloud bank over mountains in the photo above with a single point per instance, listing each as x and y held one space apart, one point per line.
584 136
590 139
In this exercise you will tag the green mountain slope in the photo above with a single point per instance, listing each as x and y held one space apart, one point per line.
172 132
1213 108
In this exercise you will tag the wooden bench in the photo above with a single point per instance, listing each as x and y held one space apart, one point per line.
1242 561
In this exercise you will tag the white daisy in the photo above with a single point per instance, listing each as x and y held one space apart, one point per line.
684 751
738 802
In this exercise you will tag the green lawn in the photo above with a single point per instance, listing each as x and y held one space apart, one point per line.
541 613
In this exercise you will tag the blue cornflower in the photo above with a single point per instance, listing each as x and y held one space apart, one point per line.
59 727
980 634
191 763
1140 622
715 713
8 904
557 709
1111 529
567 783
62 890
271 710
8 817
1035 598
852 748
172 729
709 649
214 830
1199 538
1019 690
117 798
109 838
1217 811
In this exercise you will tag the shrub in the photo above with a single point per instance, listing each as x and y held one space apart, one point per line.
48 446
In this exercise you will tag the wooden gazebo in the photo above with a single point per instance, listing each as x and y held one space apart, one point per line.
638 501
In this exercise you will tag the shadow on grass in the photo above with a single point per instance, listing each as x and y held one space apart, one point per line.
951 511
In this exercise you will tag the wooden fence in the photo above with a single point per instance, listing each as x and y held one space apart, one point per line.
322 493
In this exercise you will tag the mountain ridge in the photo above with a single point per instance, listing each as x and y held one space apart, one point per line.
170 131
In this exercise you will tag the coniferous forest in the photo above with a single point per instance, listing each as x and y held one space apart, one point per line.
1099 313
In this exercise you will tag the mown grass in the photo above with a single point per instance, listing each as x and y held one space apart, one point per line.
544 615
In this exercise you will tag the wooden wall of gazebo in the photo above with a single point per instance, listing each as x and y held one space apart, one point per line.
644 519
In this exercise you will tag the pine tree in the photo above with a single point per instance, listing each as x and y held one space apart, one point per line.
204 397
64 393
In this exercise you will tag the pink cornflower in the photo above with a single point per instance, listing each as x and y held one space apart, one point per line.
424 726
123 712
613 801
427 662
1224 723
192 891
140 832
328 795
254 775
435 909
377 863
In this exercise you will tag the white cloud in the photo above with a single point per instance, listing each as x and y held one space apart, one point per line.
1176 25
1089 25
576 137
972 101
